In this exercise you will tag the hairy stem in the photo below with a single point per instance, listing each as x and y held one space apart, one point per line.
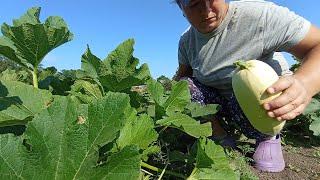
35 77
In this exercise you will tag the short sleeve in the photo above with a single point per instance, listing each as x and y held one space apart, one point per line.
182 53
283 29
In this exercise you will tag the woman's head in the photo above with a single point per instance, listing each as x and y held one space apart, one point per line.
204 15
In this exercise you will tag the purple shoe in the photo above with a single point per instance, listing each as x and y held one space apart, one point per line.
268 155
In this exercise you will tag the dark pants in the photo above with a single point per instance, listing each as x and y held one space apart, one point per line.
230 114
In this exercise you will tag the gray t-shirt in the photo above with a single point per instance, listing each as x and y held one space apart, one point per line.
252 29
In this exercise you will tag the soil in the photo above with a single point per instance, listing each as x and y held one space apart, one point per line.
301 163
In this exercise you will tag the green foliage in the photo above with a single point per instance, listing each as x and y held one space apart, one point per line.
187 124
309 122
28 41
20 102
315 125
178 99
241 164
197 110
165 105
312 114
169 109
138 131
90 64
6 64
16 75
100 122
86 91
58 83
166 82
208 154
118 72
313 107
58 144
120 67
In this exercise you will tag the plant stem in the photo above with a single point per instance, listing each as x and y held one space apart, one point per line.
143 164
241 64
35 77
162 173
164 128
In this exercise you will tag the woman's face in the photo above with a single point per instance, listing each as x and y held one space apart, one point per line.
205 15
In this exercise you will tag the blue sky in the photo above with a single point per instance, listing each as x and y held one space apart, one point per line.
155 25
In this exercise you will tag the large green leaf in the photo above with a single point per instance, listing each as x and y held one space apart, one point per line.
211 162
198 110
31 16
138 131
15 75
179 98
9 75
187 124
176 102
87 88
8 50
63 141
19 102
90 64
121 60
156 91
28 40
119 71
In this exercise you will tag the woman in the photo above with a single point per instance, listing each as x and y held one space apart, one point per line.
222 33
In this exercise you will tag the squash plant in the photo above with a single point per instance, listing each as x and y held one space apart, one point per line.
94 131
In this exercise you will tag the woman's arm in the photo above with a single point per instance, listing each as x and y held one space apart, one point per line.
299 88
309 51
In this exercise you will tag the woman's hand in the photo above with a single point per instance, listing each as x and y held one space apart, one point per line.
293 100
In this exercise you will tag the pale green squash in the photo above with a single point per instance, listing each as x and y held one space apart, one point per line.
249 83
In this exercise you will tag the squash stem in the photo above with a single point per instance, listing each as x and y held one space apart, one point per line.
241 65
35 77
143 164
